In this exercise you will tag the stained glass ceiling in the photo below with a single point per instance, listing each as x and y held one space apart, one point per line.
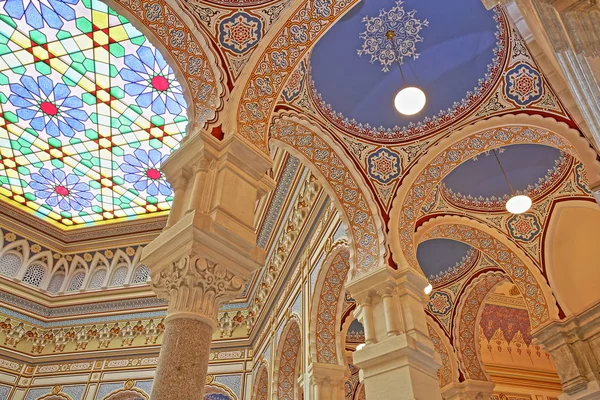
88 111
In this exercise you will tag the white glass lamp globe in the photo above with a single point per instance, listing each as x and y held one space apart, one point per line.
428 289
518 204
410 100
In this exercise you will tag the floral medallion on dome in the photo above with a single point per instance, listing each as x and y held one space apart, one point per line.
391 36
440 303
294 85
384 165
524 227
240 32
523 84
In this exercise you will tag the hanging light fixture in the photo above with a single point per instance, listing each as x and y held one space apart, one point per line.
428 289
518 203
410 99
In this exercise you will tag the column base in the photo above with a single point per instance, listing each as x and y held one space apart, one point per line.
396 368
183 360
591 392
469 390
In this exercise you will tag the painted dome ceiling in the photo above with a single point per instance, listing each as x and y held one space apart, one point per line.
526 166
446 48
88 111
438 257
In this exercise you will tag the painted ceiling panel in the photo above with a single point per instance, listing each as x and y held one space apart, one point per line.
445 48
524 164
438 255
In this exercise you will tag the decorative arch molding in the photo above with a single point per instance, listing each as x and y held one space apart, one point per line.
517 266
261 387
448 374
356 204
185 48
326 345
465 329
127 394
273 62
461 146
287 364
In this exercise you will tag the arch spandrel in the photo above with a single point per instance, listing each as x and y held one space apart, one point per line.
461 146
358 209
272 63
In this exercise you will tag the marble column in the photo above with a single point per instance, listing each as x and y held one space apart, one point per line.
205 254
398 361
327 381
574 346
469 390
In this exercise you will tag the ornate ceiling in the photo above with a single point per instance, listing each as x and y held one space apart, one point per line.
306 83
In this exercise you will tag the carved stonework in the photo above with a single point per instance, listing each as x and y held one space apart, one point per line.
196 285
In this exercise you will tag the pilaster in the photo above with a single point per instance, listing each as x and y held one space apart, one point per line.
574 345
398 360
327 381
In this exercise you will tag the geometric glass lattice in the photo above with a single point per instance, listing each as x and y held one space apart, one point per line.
9 264
118 277
97 279
34 275
89 110
76 281
141 275
56 282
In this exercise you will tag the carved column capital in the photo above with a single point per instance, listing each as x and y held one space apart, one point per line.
195 287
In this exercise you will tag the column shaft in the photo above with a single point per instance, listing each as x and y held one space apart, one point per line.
181 372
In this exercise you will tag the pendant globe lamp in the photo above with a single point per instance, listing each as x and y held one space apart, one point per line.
517 203
409 100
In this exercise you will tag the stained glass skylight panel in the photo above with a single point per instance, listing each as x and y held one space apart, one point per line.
89 110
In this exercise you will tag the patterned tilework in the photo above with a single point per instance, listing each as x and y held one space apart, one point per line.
524 227
327 307
240 32
445 372
345 188
261 387
279 59
233 382
467 326
504 257
4 391
287 384
75 392
106 388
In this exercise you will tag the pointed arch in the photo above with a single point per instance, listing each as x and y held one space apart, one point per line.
461 146
469 308
326 343
517 266
287 364
357 207
261 387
